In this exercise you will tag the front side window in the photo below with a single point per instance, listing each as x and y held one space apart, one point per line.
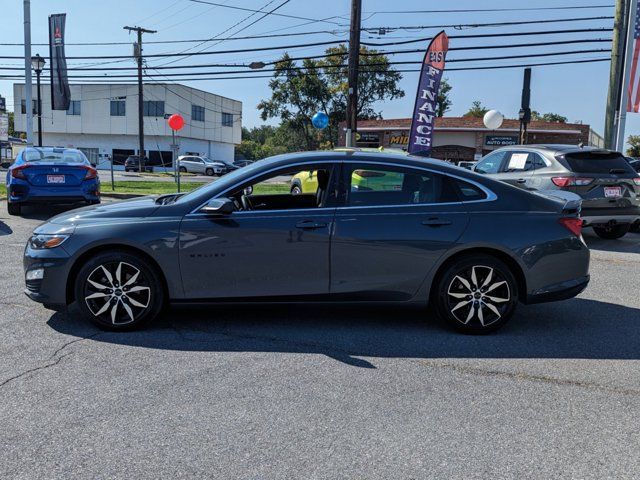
197 113
282 190
227 119
376 186
153 108
74 107
491 163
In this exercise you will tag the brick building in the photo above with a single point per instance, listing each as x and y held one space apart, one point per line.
467 139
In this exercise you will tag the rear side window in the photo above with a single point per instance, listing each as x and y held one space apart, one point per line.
378 186
595 162
469 192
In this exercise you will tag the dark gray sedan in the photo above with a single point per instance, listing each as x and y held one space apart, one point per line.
375 227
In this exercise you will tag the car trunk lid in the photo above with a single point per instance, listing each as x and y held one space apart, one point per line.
54 174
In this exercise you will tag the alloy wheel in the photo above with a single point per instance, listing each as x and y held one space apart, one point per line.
117 292
478 295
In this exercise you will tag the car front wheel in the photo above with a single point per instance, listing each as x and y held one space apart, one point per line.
477 294
182 170
119 291
209 172
612 232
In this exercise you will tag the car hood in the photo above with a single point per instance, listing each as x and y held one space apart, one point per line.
134 208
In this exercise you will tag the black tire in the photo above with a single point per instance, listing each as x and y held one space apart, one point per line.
296 189
635 227
466 306
93 202
183 169
612 232
13 208
209 172
98 295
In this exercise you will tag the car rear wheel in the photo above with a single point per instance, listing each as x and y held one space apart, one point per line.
13 208
612 232
635 227
477 294
209 172
119 291
296 190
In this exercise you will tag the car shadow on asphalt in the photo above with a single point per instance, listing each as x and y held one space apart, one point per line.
45 212
576 329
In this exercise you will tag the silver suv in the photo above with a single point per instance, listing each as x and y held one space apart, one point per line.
200 164
608 185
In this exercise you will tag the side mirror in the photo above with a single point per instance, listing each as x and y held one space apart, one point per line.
219 206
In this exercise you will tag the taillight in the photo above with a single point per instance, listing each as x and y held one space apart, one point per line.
91 173
571 181
18 172
636 181
573 224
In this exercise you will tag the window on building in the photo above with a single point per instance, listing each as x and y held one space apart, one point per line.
74 108
23 106
118 108
227 119
197 113
153 108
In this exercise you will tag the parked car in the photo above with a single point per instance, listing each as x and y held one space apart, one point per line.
45 175
442 235
467 165
242 163
200 164
132 164
608 185
229 166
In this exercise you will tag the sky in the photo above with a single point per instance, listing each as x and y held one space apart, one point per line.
577 91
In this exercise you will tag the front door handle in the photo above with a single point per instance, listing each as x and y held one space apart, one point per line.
436 222
310 225
522 180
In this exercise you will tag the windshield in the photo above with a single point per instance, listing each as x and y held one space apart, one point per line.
66 156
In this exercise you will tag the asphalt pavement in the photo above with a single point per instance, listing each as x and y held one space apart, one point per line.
329 392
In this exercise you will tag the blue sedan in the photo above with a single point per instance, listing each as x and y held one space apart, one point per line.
51 175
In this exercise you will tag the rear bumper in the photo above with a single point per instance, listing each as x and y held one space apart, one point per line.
559 291
596 216
30 194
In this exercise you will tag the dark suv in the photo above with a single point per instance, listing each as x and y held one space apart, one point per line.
132 164
608 185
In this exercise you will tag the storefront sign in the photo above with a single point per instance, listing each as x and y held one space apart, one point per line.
368 137
398 139
4 127
500 140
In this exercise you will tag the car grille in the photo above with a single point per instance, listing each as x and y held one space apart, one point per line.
34 285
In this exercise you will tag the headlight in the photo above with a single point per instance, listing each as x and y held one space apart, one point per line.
40 242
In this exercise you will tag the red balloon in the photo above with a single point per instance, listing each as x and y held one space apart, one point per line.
176 122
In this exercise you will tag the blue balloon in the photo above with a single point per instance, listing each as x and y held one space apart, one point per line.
320 120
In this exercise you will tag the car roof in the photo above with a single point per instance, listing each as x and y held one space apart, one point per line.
559 148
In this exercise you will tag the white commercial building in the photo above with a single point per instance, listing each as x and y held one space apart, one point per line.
102 121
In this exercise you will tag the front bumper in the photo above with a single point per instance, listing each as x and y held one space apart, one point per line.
52 288
559 291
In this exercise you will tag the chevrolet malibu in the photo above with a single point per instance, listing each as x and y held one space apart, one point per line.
470 246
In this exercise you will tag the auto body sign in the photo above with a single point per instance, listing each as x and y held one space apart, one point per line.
424 112
60 93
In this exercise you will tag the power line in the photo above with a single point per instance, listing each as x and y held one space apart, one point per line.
480 10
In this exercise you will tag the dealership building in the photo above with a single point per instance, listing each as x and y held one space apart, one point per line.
102 121
466 138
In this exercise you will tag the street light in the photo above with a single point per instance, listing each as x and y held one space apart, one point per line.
37 63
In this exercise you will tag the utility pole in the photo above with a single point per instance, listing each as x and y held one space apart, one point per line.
615 73
28 102
354 62
138 54
626 77
525 110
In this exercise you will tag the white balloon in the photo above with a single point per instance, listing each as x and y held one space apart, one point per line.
493 119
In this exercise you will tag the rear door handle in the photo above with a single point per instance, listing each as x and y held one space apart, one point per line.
436 222
310 225
522 180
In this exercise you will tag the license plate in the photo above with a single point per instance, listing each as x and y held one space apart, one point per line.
55 178
612 192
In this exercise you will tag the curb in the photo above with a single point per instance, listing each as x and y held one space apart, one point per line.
121 196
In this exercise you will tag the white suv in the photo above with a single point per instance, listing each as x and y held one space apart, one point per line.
198 164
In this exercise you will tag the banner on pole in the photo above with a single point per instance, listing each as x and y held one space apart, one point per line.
60 93
424 111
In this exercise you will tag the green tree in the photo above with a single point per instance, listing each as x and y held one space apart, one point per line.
634 146
548 117
444 102
12 132
477 110
298 92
